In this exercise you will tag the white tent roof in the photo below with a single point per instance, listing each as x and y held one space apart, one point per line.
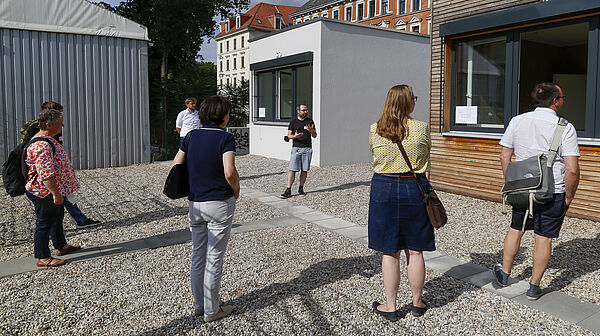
68 16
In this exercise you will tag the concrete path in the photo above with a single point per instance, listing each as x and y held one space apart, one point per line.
554 303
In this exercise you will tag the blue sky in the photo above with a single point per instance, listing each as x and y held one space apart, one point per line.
208 50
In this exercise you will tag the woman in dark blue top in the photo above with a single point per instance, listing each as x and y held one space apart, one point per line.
214 188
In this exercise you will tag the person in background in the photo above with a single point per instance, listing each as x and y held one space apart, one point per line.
300 130
187 119
81 220
398 219
50 178
214 188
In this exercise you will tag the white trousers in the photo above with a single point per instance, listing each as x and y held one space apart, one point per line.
210 224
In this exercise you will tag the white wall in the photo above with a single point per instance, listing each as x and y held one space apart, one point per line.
354 66
359 66
267 139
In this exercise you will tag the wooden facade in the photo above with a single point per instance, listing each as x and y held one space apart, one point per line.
469 164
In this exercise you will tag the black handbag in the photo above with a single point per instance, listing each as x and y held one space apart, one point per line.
177 184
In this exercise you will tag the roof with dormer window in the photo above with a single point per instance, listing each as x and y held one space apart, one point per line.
260 17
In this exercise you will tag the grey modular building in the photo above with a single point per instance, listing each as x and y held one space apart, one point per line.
92 61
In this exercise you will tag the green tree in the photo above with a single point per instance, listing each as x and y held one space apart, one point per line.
177 29
240 101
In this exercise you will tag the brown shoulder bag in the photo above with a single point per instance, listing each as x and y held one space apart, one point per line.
435 208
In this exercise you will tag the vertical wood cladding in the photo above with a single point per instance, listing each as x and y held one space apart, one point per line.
471 166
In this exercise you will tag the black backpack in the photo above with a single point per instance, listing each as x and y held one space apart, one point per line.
14 170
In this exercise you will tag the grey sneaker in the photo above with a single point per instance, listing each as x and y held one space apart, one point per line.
500 276
224 311
534 292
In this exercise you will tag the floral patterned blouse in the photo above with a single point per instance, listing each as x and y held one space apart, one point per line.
43 164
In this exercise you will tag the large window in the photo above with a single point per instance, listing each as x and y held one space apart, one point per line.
348 16
480 80
279 91
493 76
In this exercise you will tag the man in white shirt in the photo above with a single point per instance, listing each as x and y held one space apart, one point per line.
187 119
527 135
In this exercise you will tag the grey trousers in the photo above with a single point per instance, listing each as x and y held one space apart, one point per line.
210 224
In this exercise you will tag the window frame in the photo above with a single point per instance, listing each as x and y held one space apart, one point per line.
512 76
361 12
346 13
334 13
276 96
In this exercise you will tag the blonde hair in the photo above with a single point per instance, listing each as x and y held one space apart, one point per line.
396 111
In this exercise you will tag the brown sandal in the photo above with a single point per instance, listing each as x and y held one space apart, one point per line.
51 262
67 249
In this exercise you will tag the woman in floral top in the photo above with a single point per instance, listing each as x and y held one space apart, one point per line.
50 177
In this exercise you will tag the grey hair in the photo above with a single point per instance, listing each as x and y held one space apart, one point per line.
49 116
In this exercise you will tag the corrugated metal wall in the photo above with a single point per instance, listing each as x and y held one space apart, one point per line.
102 82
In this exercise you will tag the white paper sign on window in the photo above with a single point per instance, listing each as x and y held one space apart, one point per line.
466 115
262 112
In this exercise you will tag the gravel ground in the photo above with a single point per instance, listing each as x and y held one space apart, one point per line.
277 284
128 201
475 231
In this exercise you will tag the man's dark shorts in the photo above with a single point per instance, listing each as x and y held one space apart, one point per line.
547 218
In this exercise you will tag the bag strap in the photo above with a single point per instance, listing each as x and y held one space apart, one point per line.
24 166
558 132
411 168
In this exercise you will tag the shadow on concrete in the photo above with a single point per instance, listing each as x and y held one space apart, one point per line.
314 277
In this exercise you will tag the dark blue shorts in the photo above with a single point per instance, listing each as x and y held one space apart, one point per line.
397 215
547 218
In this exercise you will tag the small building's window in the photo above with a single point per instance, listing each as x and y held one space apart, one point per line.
227 25
371 8
415 28
221 81
242 79
227 65
242 43
221 47
360 11
234 81
416 5
227 80
237 22
336 14
242 62
234 63
279 91
401 6
234 44
324 14
384 6
277 23
348 16
227 45
221 66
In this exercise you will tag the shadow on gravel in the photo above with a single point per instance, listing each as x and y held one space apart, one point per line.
342 187
573 259
316 276
260 175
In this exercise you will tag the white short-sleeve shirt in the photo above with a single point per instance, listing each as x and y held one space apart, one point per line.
531 133
187 121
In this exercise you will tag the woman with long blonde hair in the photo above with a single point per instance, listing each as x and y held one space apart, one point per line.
398 218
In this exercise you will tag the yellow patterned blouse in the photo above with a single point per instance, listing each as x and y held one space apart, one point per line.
387 158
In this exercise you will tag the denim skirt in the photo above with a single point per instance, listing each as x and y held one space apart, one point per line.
397 215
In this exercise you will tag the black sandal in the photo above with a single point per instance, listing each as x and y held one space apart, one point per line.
418 311
390 316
